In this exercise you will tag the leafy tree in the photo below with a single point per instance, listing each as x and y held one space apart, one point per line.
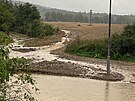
24 19
7 17
13 84
36 29
26 14
48 29
123 44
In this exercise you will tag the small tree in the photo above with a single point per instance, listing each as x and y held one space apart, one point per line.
48 30
35 29
14 82
7 17
26 14
123 45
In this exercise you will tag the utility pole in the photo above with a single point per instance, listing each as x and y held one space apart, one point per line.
90 18
109 41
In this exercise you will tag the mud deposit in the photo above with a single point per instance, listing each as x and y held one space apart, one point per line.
61 88
46 63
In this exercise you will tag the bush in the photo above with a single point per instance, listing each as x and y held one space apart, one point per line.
14 86
24 19
122 46
35 29
48 30
96 48
5 39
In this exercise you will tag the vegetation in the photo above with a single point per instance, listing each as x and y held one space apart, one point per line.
12 84
5 39
122 46
6 16
58 15
24 19
69 15
53 16
14 74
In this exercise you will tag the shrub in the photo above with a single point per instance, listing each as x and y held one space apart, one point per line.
13 85
24 19
48 30
122 46
96 48
35 29
5 39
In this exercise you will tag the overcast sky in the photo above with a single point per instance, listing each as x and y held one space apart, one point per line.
119 6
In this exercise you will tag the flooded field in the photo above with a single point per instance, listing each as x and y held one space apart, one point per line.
58 88
54 88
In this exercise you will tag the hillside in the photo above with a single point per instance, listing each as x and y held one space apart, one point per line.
71 16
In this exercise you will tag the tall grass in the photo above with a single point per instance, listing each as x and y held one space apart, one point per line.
88 48
97 49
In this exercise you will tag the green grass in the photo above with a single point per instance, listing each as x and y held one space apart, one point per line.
96 49
5 39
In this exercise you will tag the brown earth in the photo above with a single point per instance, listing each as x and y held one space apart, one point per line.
73 70
68 69
130 66
48 40
97 31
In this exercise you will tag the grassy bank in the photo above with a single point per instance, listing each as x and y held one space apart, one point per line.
122 46
5 39
96 49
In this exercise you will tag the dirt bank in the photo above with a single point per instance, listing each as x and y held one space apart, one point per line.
73 70
130 66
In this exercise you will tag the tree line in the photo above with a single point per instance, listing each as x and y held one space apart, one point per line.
77 17
84 17
53 16
23 18
71 16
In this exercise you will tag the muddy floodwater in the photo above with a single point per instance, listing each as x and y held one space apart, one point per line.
54 88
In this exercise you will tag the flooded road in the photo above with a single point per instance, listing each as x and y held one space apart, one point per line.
54 88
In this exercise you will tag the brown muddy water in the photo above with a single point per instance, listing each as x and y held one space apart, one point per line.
54 88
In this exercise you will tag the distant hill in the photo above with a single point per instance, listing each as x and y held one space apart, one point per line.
44 10
81 16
